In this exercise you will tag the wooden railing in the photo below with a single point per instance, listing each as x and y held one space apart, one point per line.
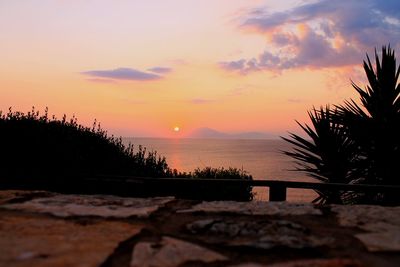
277 189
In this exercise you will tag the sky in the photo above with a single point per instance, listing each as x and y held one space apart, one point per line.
142 68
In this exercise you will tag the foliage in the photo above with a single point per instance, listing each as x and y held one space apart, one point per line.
42 152
356 143
217 190
44 147
329 156
240 193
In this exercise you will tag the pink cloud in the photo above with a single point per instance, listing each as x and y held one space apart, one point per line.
322 34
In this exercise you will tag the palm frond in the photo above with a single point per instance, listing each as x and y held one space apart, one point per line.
326 154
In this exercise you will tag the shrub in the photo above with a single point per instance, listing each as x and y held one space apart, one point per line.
357 143
48 153
232 192
47 148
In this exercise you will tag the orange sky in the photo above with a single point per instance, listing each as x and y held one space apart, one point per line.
143 67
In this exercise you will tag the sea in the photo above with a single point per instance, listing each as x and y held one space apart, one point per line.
261 158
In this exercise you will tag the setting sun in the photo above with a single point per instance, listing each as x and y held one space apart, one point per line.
176 129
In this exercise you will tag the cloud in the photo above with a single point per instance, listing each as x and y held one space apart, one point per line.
233 65
160 70
98 80
321 34
123 74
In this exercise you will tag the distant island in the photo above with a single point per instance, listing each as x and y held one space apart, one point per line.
208 133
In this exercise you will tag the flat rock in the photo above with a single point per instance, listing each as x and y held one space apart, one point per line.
367 217
255 208
264 234
171 252
39 241
381 241
8 196
382 225
309 263
250 228
92 205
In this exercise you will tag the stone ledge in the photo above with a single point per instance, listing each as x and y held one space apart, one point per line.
40 228
255 208
94 205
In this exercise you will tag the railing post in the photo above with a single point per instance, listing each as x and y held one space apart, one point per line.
277 193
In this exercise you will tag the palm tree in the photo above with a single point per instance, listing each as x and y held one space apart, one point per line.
357 143
375 124
327 154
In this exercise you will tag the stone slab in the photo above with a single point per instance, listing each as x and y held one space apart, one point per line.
255 208
382 225
261 234
381 241
368 217
7 196
92 205
337 262
171 252
39 241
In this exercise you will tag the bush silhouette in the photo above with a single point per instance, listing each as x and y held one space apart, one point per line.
229 192
49 148
356 143
38 152
218 190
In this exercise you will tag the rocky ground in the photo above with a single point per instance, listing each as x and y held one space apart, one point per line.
46 229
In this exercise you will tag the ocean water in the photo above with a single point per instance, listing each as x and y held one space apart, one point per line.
261 158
